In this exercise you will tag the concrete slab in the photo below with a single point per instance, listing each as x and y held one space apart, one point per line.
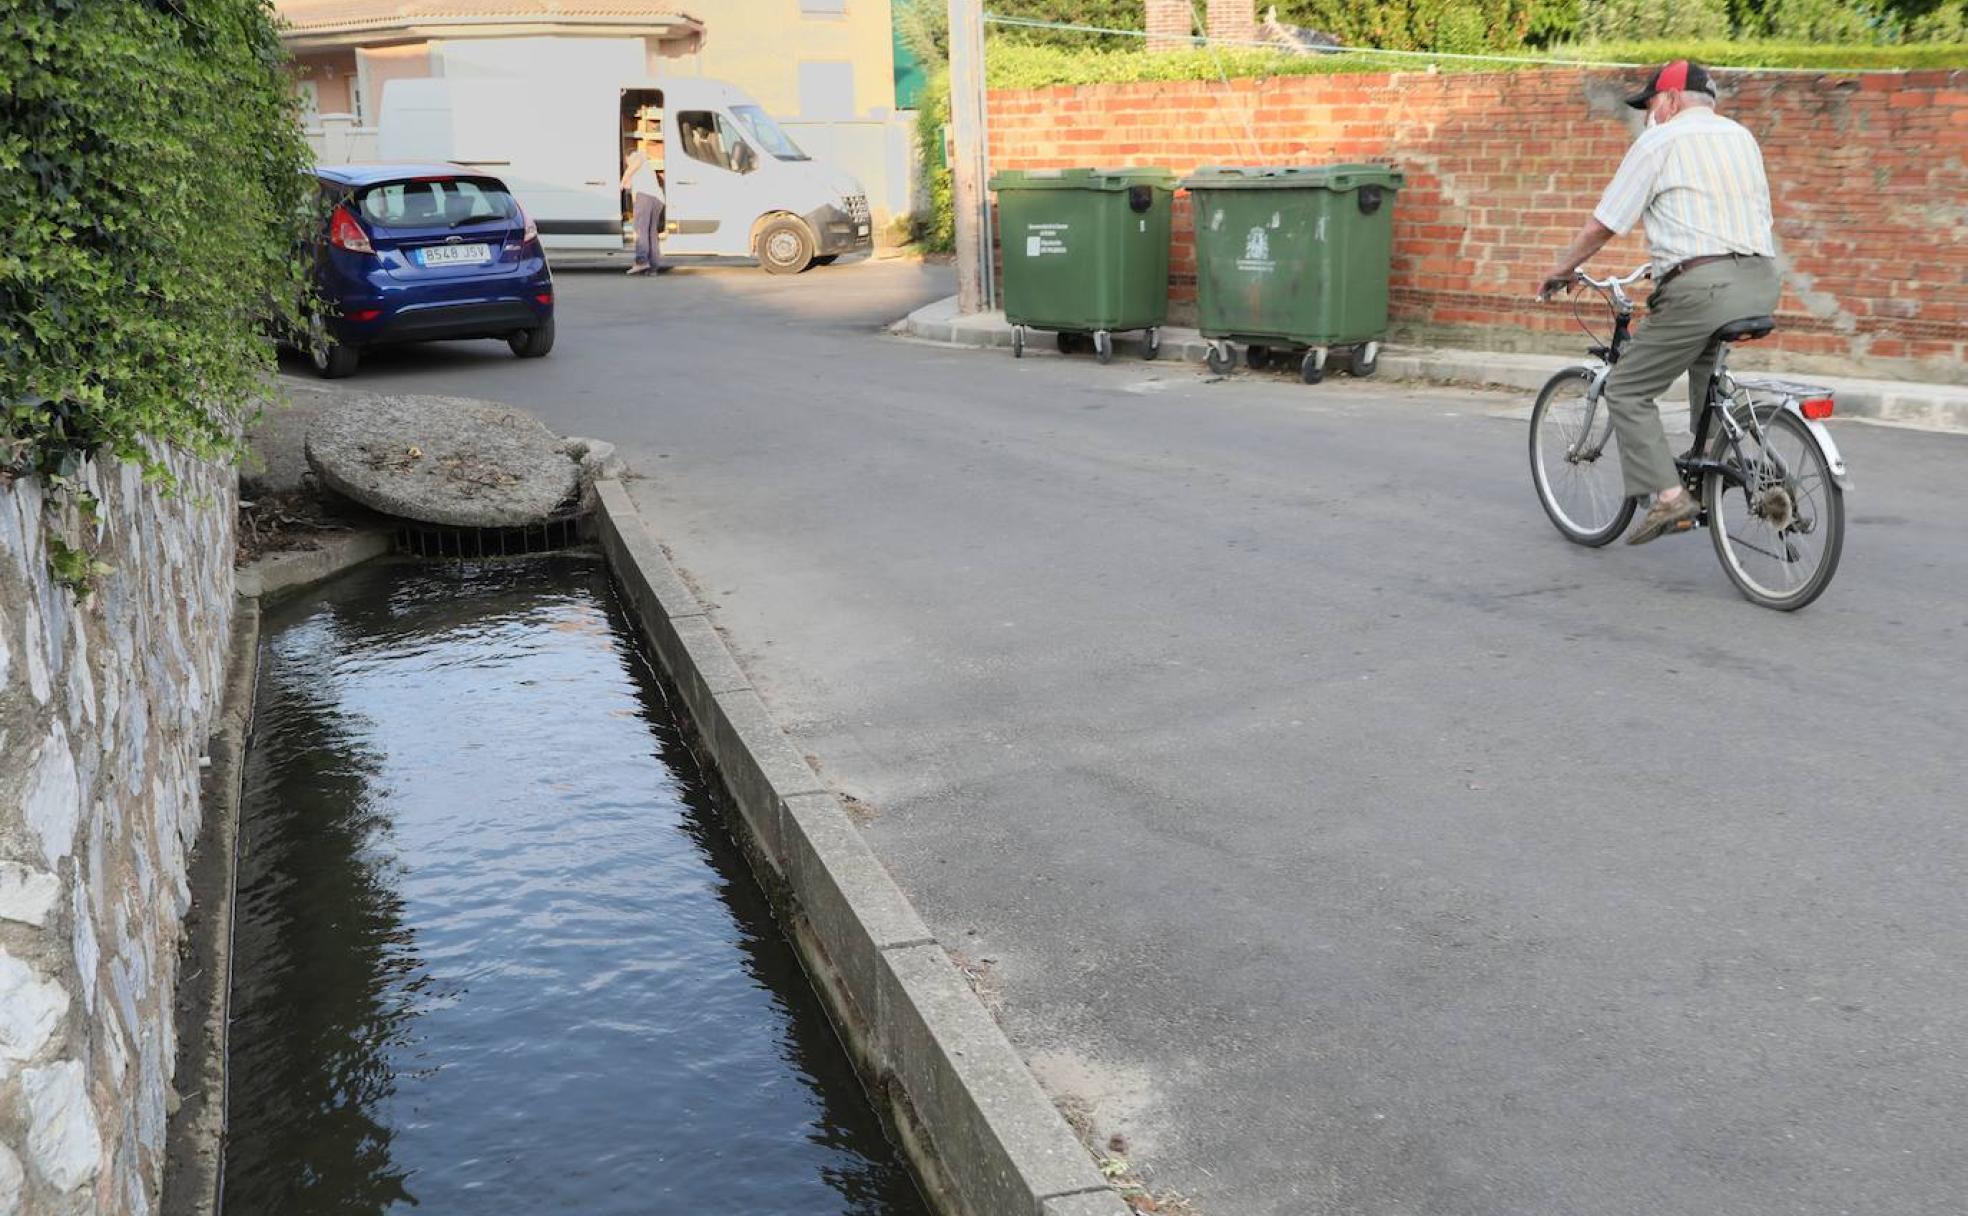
442 460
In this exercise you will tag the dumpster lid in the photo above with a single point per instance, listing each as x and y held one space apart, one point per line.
1082 179
1294 177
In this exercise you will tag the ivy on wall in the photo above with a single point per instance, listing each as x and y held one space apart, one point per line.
152 184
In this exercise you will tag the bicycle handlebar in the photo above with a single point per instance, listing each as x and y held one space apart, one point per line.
1644 271
1612 285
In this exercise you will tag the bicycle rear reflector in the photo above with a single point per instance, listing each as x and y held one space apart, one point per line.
1817 409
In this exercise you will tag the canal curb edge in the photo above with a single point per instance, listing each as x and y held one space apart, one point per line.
195 1133
981 1133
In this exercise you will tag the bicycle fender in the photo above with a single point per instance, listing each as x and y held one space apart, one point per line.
1820 432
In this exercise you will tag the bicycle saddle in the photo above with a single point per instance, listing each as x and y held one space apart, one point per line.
1747 329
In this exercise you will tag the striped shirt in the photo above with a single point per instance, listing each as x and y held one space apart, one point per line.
1698 181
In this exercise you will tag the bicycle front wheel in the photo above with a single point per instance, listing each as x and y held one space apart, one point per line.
1575 461
1780 531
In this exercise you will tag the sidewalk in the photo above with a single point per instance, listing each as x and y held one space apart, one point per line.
1936 407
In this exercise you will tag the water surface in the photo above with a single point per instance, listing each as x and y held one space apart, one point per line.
496 952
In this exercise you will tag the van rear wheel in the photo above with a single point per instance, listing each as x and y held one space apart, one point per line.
784 247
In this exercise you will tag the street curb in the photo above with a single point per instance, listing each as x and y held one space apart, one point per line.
982 1135
1933 407
195 1133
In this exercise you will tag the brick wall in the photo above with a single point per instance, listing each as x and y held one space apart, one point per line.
1869 178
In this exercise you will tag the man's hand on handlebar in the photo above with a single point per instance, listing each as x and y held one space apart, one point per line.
1553 284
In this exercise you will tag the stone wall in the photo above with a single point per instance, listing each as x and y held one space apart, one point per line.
104 711
1869 177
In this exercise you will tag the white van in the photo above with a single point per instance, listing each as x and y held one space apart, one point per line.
737 185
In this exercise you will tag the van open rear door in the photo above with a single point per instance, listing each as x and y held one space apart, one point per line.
553 146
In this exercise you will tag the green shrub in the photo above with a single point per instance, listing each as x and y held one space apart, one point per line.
1010 66
1459 26
1946 23
151 179
1828 21
1627 20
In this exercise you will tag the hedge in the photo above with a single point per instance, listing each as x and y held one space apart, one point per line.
1010 65
152 180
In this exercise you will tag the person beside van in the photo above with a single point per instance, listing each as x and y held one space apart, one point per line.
640 178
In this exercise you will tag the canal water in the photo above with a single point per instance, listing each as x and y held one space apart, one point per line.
496 952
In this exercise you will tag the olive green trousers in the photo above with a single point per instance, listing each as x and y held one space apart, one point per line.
1681 318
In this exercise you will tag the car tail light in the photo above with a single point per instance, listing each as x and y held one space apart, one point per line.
545 297
532 232
345 233
365 314
1817 409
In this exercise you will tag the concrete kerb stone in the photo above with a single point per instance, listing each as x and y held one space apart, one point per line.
758 763
1004 1146
277 573
195 1135
1937 407
991 1143
845 894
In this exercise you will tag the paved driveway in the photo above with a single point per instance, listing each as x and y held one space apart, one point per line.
1348 840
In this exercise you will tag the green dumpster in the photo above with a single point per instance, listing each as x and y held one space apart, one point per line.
1086 254
1294 258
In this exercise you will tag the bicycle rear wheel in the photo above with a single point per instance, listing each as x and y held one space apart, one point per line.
1780 532
1577 474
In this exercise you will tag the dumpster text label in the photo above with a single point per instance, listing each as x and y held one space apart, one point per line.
1257 253
1041 239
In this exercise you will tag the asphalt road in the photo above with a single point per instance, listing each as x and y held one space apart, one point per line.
1348 840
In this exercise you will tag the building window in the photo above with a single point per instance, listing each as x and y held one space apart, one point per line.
826 88
823 8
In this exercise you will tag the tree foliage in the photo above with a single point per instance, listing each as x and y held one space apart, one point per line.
152 174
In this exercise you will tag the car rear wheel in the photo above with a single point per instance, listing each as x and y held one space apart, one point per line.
532 343
332 360
784 246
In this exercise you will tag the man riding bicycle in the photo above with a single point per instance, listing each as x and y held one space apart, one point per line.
1696 179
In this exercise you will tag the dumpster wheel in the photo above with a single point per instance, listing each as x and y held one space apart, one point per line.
1312 368
1220 358
1103 346
1364 360
1018 341
1152 349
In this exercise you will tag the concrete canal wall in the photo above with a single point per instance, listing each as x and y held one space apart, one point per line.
105 706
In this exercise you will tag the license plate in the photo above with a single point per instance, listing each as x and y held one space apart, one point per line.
860 230
455 255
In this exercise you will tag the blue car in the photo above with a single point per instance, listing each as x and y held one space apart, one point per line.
420 253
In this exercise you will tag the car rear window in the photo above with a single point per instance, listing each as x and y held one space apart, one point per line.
450 202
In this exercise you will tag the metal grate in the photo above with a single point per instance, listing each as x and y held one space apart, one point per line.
857 206
443 540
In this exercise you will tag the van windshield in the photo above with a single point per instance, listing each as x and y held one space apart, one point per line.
760 126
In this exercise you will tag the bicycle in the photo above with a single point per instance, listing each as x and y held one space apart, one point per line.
1769 479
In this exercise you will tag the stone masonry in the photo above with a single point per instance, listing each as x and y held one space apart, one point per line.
104 709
